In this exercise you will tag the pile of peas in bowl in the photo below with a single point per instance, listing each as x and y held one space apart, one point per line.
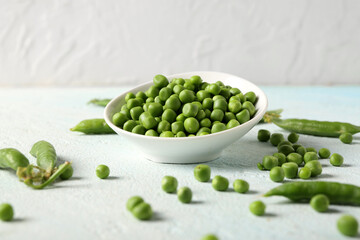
184 108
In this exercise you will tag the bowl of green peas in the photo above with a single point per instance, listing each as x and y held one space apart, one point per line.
186 117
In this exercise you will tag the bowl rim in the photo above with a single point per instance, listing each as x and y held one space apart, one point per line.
115 99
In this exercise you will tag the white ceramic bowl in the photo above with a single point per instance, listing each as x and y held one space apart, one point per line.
189 149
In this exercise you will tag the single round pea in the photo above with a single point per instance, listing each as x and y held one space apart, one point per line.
218 127
243 116
149 100
142 211
102 171
225 92
155 109
277 174
141 95
129 96
133 202
286 149
151 132
165 93
281 158
220 83
213 88
173 103
133 102
160 81
295 157
250 107
315 167
336 159
153 92
205 123
202 173
177 126
241 97
167 134
67 174
6 212
217 115
139 129
324 153
184 195
208 103
220 104
251 97
200 115
311 149
232 123
171 85
169 184
276 138
228 116
147 120
196 80
293 137
157 100
234 91
290 169
178 88
180 81
190 110
126 112
241 186
346 138
207 113
204 129
169 115
263 135
202 94
189 86
310 156
210 237
191 125
305 173
220 183
270 162
119 119
257 208
135 112
203 85
301 150
129 125
348 225
320 203
186 96
180 134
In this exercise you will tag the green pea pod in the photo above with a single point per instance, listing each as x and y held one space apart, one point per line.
338 193
270 115
45 155
316 128
12 158
93 126
100 102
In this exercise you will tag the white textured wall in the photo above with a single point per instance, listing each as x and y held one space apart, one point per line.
104 42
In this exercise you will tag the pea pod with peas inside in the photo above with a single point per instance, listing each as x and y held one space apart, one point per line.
338 193
45 155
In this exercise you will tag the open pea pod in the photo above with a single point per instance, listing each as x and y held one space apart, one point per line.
45 155
12 158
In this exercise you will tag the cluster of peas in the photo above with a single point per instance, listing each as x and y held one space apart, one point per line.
291 156
184 107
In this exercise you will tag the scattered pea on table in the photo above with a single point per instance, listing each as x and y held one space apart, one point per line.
6 212
336 159
348 225
202 173
257 208
102 171
346 138
184 194
320 203
169 184
241 186
220 183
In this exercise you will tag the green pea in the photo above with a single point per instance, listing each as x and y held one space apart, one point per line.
180 134
220 104
301 150
186 96
232 123
207 113
290 169
277 174
157 100
160 81
119 119
129 125
184 195
190 110
133 102
276 138
310 156
198 104
324 153
281 158
202 134
210 237
213 88
284 143
166 134
270 162
151 132
234 98
348 225
102 171
208 103
147 120
149 100
250 107
203 86
135 112
293 137
145 107
163 126
141 95
6 212
336 159
169 115
153 92
169 184
202 95
205 123
139 129
241 97
305 173
228 116
218 127
263 135
171 85
311 149
133 202
251 97
243 116
315 167
225 92
124 107
217 115
257 208
180 81
203 129
234 106
165 93
234 91
346 138
196 80
295 157
177 126
129 96
178 88
67 174
241 186
220 83
202 173
173 103
155 109
320 203
142 211
220 183
191 125
126 112
296 146
189 86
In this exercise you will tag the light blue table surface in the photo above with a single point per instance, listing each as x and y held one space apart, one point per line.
86 207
